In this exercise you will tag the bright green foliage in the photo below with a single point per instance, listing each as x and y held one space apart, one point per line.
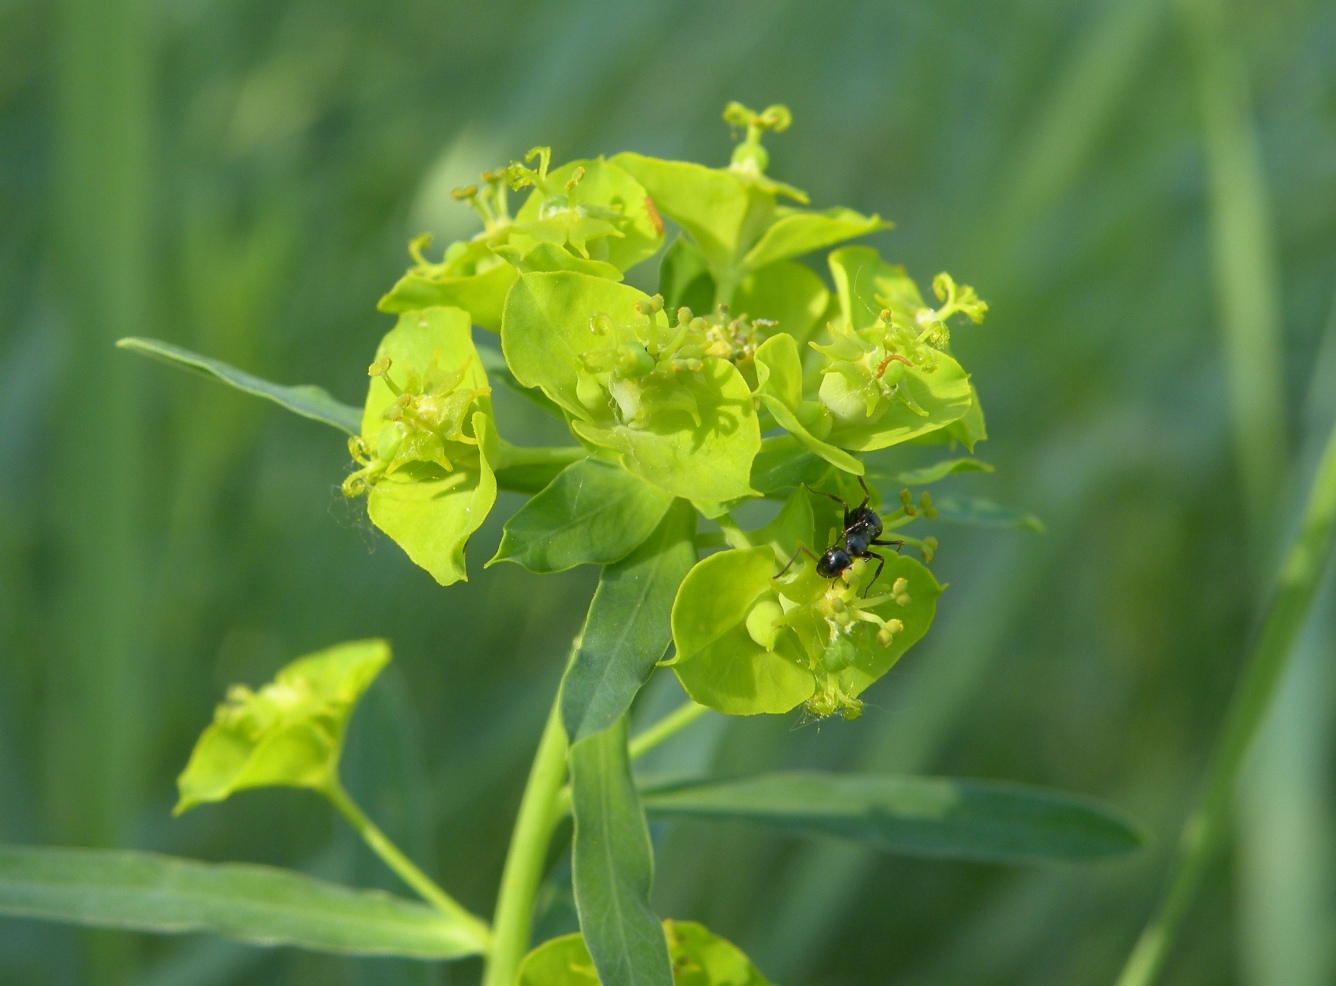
931 816
749 642
604 213
698 958
592 513
424 447
631 382
612 864
626 631
289 733
258 905
779 386
744 375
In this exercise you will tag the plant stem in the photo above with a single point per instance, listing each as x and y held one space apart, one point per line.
670 725
538 815
1291 600
425 886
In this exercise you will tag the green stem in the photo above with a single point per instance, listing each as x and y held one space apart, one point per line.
538 816
527 470
670 725
425 886
1291 600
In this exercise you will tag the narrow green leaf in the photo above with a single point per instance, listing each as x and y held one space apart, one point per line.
934 472
626 630
930 816
593 512
612 864
984 513
308 401
704 959
260 905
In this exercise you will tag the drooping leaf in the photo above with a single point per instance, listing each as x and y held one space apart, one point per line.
612 864
795 232
427 441
289 733
626 631
685 425
306 400
698 957
987 820
594 512
984 513
259 905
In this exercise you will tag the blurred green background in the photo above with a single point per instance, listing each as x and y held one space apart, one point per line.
1145 192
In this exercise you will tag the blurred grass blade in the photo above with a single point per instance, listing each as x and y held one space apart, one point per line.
984 513
612 864
919 815
1243 255
308 401
1291 600
626 631
934 472
260 905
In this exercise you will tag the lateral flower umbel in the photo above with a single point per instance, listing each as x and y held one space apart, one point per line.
427 442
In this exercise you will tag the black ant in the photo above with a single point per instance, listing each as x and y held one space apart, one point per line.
862 532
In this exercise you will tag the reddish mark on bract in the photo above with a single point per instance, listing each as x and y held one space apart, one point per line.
887 362
654 214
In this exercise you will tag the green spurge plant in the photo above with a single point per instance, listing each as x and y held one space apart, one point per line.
744 379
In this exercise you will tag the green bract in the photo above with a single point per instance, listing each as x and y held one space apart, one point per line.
698 958
630 381
289 733
427 440
750 642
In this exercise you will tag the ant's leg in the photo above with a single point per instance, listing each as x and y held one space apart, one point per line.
867 495
881 563
831 496
897 545
802 550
